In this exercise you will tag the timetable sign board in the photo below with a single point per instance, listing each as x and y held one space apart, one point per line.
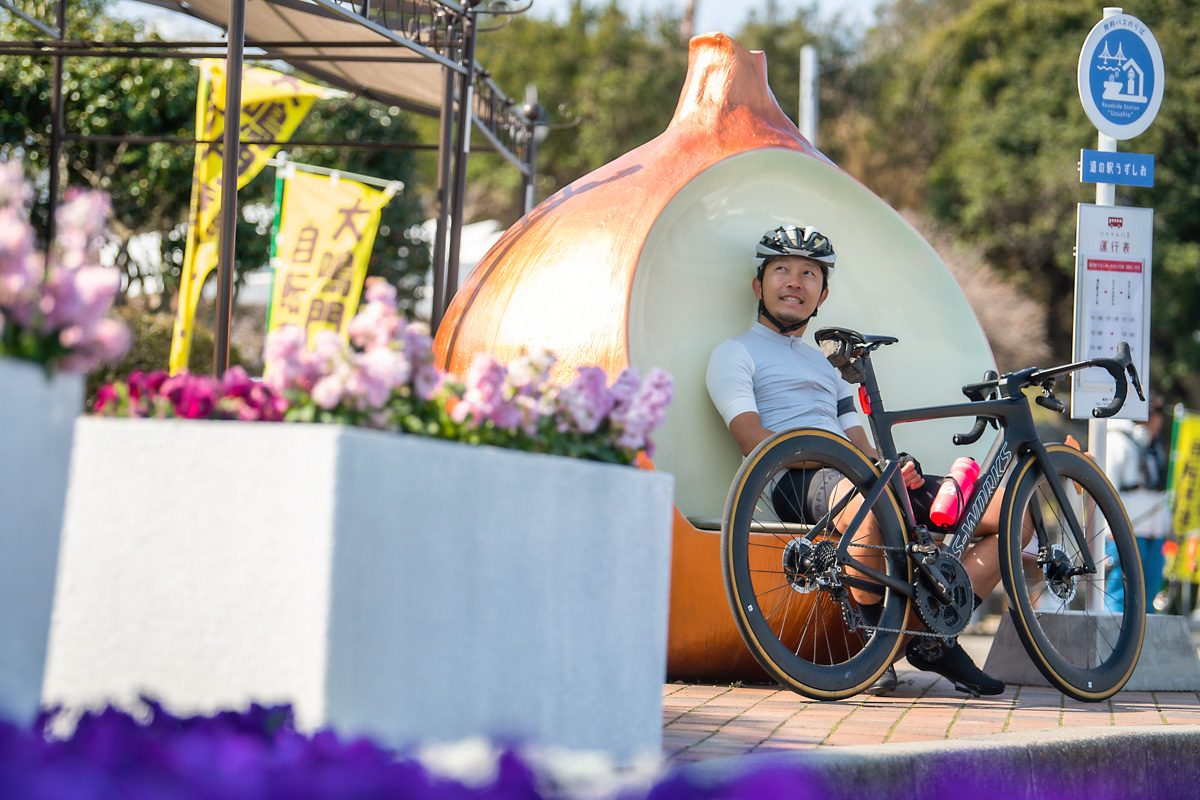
1113 249
1125 169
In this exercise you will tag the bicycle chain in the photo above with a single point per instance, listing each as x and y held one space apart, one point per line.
901 631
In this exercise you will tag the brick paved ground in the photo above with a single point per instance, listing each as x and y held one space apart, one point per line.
702 721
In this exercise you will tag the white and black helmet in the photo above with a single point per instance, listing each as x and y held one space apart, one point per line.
793 240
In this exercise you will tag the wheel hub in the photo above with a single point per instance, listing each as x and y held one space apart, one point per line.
945 619
1058 570
805 563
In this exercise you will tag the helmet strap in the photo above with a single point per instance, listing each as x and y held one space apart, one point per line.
781 327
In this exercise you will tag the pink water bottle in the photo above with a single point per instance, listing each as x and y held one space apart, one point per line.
952 498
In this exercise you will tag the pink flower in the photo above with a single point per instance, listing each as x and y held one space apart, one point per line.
427 380
236 383
146 384
105 395
381 292
328 391
375 375
484 397
643 410
289 365
20 267
587 401
530 373
193 396
263 404
111 340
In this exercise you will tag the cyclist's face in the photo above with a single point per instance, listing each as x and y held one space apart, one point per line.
791 288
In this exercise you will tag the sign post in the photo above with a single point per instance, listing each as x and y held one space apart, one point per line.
1121 79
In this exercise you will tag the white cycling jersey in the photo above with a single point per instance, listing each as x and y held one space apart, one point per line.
788 383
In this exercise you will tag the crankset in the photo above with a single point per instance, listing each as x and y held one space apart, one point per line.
953 584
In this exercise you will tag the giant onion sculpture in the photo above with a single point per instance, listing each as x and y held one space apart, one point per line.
647 262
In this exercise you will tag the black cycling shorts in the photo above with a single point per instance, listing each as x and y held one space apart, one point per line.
803 495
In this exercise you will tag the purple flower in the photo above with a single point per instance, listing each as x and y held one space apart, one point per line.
328 391
643 410
192 396
107 395
587 401
484 398
236 383
289 364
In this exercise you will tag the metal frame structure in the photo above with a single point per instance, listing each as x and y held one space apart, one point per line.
442 33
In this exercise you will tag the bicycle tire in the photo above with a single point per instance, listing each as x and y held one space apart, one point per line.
802 639
1084 652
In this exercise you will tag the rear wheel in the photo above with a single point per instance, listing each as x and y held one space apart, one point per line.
788 589
1083 632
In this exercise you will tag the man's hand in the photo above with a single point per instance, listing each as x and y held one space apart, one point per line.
913 479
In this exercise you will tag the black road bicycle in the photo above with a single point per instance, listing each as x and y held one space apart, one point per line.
792 582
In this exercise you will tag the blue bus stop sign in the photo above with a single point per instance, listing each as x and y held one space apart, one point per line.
1121 76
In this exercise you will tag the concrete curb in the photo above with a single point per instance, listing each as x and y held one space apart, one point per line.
1143 762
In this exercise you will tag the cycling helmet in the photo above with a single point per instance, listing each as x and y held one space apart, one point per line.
792 240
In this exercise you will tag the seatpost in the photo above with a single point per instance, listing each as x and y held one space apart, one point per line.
883 436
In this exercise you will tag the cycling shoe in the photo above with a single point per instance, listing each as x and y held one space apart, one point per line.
885 683
953 664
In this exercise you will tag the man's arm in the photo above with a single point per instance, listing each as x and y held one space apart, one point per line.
748 431
858 436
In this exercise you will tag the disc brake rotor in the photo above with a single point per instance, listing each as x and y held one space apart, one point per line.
1056 568
804 562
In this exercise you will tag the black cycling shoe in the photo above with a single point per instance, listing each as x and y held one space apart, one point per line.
885 683
953 664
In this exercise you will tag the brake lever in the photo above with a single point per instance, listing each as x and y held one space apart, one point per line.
1125 358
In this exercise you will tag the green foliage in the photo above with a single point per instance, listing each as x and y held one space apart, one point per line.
151 349
980 109
106 97
780 39
622 75
149 184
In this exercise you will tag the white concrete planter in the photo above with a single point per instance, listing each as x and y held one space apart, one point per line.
401 587
37 419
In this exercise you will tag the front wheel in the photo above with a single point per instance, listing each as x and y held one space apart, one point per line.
1082 631
790 592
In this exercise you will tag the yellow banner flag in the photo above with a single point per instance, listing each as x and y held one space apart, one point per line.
1185 491
273 106
327 227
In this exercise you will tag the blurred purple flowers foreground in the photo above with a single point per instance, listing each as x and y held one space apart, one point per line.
251 755
259 755
54 314
385 378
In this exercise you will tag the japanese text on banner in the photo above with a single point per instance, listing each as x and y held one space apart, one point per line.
326 231
1185 491
273 106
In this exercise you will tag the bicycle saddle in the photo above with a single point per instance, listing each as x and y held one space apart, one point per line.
852 338
843 346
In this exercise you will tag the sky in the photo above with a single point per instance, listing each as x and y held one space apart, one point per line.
726 16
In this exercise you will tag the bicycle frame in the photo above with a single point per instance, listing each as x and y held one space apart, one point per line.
1016 437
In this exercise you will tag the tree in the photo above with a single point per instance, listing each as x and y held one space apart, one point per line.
149 184
622 76
104 96
977 119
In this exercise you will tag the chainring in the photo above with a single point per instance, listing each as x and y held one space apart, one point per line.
946 619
